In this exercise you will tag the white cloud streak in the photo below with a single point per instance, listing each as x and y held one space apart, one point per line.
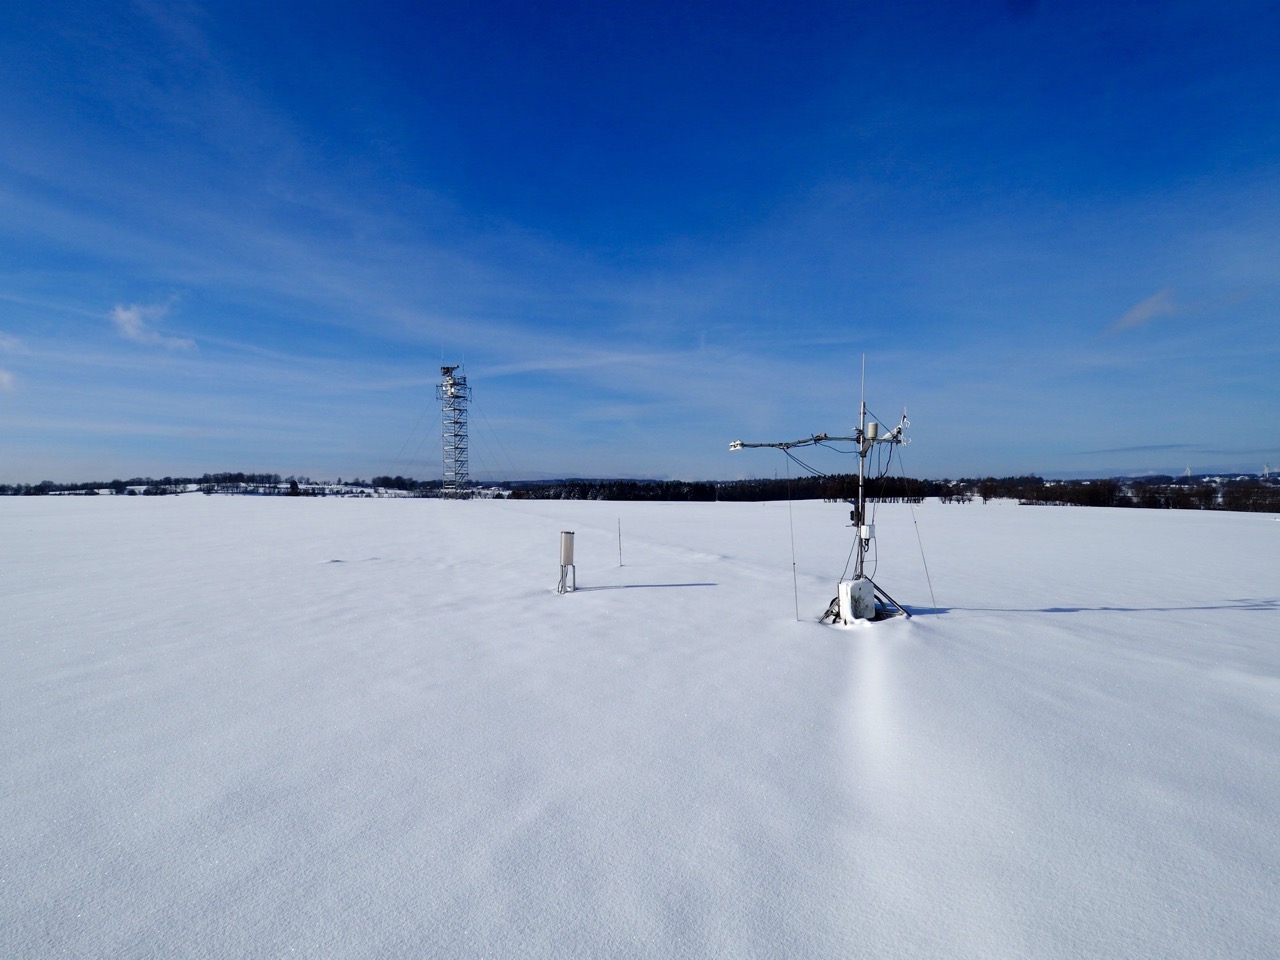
1160 304
133 323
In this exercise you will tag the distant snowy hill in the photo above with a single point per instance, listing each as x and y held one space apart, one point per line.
257 727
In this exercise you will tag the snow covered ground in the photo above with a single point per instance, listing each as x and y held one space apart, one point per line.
251 727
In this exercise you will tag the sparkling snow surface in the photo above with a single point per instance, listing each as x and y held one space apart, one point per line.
243 727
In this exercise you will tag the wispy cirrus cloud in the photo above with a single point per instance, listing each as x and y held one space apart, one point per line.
134 322
1159 304
1142 448
8 344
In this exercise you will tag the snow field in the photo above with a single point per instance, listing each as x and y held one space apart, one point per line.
236 726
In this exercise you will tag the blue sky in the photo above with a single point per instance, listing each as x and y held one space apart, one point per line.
244 236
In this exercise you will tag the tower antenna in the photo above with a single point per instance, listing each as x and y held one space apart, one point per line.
453 393
855 599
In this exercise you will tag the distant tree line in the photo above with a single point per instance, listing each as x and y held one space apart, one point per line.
840 487
613 490
1254 494
151 487
1242 493
406 484
1162 492
262 484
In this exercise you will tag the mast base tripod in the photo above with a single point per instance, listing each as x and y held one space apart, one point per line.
856 600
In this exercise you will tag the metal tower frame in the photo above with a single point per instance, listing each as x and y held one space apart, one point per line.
453 394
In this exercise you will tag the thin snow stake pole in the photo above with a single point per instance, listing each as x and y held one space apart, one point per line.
791 523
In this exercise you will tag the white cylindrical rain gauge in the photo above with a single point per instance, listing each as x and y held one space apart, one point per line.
568 572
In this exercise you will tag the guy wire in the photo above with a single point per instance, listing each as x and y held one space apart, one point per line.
915 523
